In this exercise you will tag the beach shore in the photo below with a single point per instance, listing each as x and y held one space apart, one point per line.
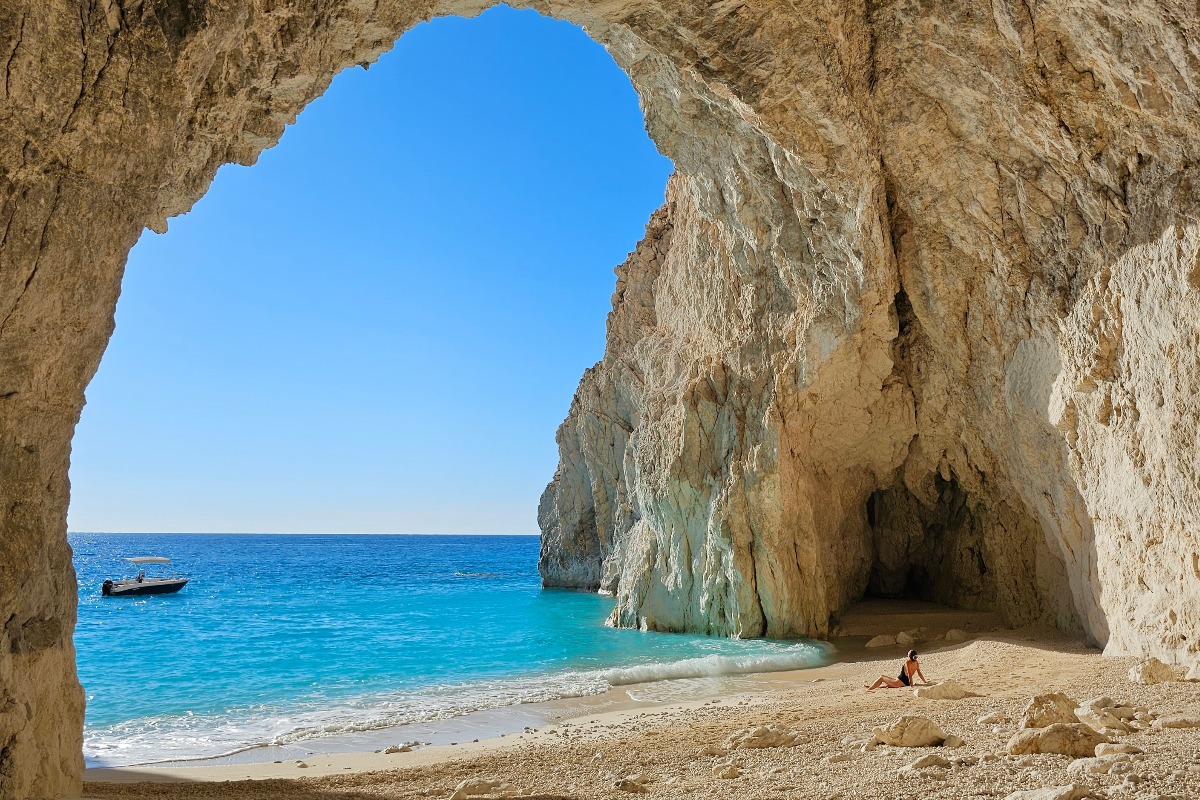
637 740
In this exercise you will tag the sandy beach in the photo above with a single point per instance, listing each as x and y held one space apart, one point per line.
817 744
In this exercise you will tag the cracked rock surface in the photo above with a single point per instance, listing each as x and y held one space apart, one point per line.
918 316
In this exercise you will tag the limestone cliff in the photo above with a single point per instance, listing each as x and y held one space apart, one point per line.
936 350
919 316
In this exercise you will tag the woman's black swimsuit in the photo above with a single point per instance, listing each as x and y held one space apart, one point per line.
904 674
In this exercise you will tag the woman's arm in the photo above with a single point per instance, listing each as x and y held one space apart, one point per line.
922 675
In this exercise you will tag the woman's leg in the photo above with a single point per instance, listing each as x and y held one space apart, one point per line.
884 680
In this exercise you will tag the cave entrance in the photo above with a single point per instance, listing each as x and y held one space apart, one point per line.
377 328
927 551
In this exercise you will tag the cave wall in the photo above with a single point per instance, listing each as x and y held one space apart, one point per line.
987 398
953 406
923 295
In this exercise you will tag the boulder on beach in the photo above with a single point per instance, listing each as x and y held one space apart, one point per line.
763 737
904 638
1068 739
1177 721
911 731
956 635
945 690
726 771
1044 710
1104 714
882 640
1098 765
1152 671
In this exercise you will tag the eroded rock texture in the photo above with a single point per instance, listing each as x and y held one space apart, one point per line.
918 317
937 336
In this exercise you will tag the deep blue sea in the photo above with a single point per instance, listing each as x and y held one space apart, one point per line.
281 639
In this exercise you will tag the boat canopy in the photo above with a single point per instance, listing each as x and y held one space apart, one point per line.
149 560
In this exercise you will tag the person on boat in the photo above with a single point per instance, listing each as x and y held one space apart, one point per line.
911 669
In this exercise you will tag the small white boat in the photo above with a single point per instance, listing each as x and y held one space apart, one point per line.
141 584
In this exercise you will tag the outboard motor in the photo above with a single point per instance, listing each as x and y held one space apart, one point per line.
106 587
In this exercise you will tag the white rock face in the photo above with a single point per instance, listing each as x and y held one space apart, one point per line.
969 371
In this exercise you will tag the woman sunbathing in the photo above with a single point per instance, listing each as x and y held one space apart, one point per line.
910 669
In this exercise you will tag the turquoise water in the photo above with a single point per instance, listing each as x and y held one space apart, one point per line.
281 639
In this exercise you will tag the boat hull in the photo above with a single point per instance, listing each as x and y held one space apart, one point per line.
136 588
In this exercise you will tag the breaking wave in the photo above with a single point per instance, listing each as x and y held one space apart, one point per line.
803 657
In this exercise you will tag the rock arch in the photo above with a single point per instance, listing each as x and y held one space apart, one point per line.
919 313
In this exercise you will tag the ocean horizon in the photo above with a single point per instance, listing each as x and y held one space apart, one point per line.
281 639
288 533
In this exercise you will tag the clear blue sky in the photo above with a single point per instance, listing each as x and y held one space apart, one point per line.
379 326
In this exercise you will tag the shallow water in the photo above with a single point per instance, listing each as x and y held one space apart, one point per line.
281 639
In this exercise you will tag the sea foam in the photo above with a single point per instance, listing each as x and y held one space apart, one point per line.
803 657
191 737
